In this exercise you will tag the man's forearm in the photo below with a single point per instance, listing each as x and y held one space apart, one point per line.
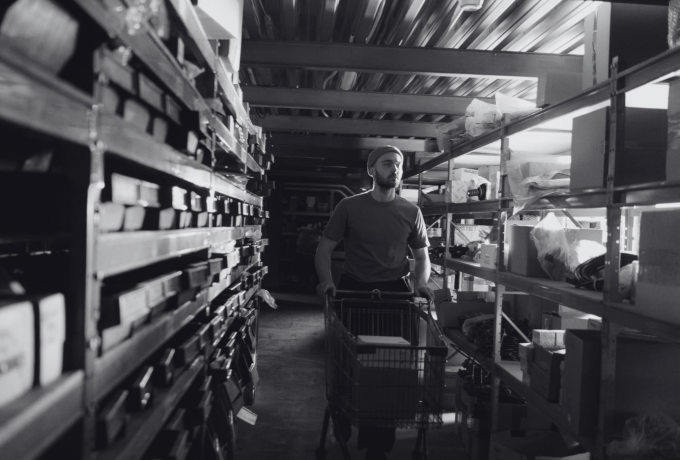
422 271
322 262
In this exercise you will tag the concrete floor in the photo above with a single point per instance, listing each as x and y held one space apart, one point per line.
290 398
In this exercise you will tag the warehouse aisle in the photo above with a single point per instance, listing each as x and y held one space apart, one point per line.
290 398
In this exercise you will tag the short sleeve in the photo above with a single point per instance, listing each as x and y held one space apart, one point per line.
418 237
337 225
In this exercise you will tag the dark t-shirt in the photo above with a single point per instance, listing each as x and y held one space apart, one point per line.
377 236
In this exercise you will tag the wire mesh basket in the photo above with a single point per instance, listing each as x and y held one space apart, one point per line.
385 363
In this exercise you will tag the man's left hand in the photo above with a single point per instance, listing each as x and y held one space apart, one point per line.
424 291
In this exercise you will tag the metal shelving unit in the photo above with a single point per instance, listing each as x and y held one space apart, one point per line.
41 103
615 312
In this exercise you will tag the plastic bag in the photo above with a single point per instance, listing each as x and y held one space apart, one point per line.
533 188
655 436
514 106
552 246
448 134
481 118
268 298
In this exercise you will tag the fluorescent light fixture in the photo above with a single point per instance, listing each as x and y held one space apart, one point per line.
667 205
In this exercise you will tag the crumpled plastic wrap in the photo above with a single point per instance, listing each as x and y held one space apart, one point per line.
532 177
449 134
652 436
552 246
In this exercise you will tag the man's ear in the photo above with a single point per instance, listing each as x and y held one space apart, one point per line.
371 171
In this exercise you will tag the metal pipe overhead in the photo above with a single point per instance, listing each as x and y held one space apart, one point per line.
298 98
404 60
345 142
346 126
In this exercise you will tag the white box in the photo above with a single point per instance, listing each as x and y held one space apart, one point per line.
456 191
51 311
463 174
488 255
383 356
17 349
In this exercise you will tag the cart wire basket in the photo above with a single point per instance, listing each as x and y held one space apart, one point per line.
384 365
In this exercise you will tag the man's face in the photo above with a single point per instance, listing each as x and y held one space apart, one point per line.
387 170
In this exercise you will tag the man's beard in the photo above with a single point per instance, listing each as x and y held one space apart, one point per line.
385 182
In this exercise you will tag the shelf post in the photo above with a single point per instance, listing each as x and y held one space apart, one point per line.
499 288
611 292
447 232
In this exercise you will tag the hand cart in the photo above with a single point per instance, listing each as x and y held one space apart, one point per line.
384 365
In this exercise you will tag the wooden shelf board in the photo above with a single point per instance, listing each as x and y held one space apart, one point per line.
511 374
145 425
116 365
32 422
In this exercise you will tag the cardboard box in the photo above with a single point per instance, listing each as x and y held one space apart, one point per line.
449 313
488 253
546 338
463 174
548 358
17 349
385 393
555 320
381 356
50 311
673 149
522 253
546 383
465 234
581 390
658 284
643 158
492 174
645 382
456 191
609 33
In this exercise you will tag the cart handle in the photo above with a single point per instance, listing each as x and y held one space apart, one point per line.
376 294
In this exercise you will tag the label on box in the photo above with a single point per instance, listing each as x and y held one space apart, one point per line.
488 254
17 350
52 313
463 174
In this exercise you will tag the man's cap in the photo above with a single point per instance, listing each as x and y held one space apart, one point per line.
380 151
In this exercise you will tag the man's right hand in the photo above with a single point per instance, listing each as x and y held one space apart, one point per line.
325 287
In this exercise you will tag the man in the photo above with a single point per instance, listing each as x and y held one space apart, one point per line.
378 227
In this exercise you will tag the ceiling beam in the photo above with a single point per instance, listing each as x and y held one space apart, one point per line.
345 126
404 60
343 142
266 96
